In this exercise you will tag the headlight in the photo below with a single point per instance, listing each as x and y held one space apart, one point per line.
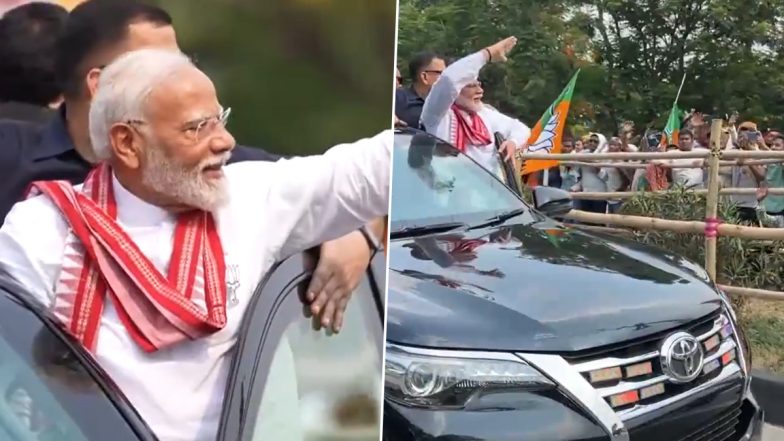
424 380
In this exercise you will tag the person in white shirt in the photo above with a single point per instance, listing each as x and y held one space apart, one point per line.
686 177
454 111
613 177
590 180
134 261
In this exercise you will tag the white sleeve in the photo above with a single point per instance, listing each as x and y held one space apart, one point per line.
305 201
513 129
446 90
32 240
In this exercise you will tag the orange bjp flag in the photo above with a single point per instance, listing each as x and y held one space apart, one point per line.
547 133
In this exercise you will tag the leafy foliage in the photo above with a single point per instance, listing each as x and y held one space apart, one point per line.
633 55
300 75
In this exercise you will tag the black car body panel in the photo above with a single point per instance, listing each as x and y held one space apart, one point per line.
551 289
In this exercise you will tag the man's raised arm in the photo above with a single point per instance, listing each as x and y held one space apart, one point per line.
318 198
446 90
457 76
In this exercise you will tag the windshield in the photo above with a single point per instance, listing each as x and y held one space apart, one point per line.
45 393
432 182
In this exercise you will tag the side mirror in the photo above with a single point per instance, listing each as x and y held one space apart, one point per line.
551 201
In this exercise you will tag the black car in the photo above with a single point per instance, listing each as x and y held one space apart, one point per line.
52 389
503 324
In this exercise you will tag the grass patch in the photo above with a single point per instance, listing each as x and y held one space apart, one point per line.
763 323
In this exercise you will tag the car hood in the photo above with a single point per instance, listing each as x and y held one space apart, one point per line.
537 287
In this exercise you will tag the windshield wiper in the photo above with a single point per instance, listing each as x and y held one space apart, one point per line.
426 229
499 219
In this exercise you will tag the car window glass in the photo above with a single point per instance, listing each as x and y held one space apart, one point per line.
45 391
432 180
28 410
323 386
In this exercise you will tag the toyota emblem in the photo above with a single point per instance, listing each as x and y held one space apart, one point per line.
682 357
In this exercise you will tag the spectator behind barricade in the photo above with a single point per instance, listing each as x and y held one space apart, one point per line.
613 177
29 88
589 176
686 172
398 79
771 209
570 174
747 176
579 145
424 70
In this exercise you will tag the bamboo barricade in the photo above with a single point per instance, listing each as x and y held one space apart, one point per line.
636 165
600 196
711 227
712 203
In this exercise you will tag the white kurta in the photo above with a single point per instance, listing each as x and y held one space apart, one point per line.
438 119
276 209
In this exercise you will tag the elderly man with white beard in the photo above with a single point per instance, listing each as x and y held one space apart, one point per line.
133 261
454 111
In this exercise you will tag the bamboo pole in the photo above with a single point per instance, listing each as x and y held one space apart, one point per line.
604 195
712 204
635 165
686 227
635 156
752 154
609 230
752 292
638 156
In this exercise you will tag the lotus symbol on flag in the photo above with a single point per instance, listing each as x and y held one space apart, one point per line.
546 139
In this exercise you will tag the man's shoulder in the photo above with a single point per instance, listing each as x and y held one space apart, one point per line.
15 136
37 210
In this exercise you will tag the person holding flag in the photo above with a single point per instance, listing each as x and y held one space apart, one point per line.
454 111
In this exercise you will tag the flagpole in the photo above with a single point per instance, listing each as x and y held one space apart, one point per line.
683 81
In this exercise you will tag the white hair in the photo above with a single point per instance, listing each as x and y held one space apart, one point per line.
123 88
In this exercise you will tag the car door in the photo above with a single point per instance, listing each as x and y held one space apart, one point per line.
291 382
50 388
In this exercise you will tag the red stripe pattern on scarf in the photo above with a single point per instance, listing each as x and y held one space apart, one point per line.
101 261
465 133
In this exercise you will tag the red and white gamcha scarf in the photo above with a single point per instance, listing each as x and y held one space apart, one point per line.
101 261
463 133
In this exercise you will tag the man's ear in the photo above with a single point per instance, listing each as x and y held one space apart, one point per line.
125 143
91 81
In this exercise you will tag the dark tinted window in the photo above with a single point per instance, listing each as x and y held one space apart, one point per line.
45 393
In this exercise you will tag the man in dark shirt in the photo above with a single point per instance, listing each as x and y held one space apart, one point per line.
28 45
97 32
424 69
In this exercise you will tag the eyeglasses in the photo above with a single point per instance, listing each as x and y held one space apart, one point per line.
434 72
474 85
200 129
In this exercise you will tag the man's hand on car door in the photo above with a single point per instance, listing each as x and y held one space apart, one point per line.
341 265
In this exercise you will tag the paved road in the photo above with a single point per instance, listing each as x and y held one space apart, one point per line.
772 433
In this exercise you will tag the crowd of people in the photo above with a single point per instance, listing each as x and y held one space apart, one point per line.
446 101
117 168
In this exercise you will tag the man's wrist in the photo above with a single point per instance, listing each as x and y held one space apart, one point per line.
489 55
372 239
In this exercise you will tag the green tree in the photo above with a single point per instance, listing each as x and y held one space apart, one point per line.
633 54
299 75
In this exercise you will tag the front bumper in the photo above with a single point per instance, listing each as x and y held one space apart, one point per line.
543 421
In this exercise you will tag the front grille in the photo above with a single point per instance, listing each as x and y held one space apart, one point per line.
723 428
630 377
